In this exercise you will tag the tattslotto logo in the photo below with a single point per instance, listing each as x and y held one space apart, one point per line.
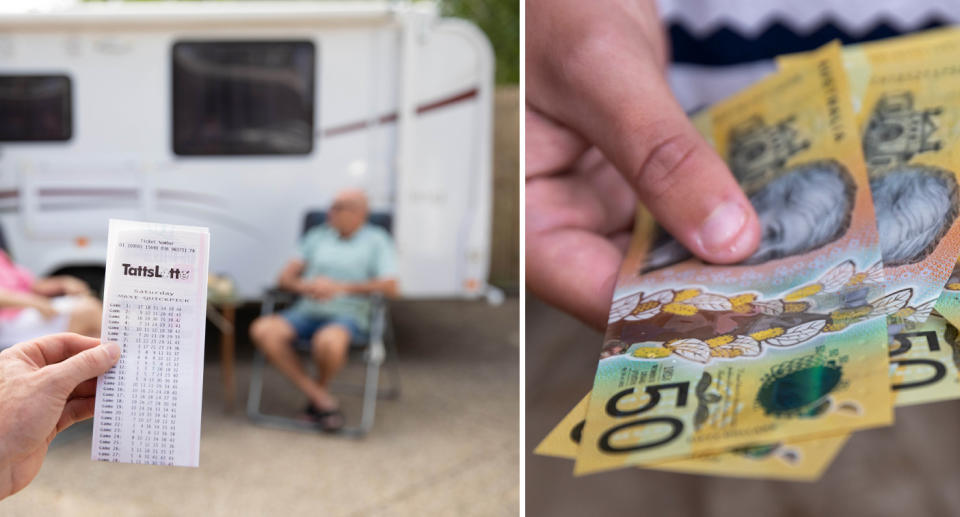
154 271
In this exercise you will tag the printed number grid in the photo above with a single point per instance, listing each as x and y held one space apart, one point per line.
150 333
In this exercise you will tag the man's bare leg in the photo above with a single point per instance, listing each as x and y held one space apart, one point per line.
330 346
274 336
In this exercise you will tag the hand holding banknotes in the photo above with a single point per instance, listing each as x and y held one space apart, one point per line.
604 131
46 385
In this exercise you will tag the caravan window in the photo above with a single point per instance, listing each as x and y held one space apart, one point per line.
243 97
35 108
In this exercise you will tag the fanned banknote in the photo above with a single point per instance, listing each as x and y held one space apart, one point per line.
909 97
801 461
699 358
906 97
910 126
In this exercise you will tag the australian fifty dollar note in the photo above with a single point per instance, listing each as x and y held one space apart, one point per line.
791 343
907 95
908 116
910 125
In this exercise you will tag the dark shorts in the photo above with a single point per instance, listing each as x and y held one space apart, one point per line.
306 326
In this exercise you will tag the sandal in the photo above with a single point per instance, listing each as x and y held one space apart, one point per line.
329 420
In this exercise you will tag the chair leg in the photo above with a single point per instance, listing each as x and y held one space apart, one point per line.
393 364
369 409
370 395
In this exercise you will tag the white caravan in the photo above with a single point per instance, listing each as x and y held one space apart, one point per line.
243 117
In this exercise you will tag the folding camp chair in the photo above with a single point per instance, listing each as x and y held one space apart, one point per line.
380 348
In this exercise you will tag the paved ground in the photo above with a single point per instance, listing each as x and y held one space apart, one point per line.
912 468
449 446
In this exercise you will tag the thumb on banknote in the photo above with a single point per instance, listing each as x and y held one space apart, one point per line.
598 69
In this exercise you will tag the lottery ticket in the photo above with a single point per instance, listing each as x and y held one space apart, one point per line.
154 307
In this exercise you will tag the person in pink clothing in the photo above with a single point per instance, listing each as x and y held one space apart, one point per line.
32 307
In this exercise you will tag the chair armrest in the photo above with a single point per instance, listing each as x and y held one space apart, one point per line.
274 295
279 292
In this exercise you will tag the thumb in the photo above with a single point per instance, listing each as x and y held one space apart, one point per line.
90 363
626 108
688 189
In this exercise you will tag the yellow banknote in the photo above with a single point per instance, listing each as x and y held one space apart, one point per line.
800 461
701 359
909 120
910 127
907 92
909 97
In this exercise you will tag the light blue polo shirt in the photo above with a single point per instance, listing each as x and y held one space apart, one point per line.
366 255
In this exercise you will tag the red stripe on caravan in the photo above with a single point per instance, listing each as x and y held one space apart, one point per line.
469 94
345 128
79 191
392 117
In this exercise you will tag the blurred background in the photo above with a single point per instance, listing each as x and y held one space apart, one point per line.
247 118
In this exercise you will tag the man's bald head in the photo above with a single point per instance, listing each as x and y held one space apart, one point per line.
352 195
349 211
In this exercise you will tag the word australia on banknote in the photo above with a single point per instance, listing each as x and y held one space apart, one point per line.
701 358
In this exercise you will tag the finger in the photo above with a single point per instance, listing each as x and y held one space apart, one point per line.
552 257
577 228
87 388
606 84
54 348
549 146
591 196
93 362
587 294
76 410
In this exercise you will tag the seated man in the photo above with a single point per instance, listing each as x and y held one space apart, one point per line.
339 263
31 307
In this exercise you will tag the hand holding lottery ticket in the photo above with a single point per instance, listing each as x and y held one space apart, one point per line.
46 385
155 299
